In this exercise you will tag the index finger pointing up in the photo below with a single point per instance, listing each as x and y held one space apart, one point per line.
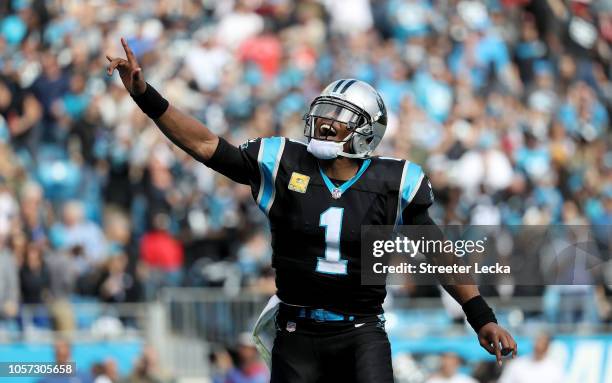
128 52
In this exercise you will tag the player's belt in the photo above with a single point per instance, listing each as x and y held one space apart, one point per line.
318 315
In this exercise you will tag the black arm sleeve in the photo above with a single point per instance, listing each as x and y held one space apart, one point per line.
416 211
423 226
237 163
417 215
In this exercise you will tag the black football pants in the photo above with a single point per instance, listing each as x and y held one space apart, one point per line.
306 351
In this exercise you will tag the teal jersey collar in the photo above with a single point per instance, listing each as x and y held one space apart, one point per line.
337 192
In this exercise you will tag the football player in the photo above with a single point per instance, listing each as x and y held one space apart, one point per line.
317 197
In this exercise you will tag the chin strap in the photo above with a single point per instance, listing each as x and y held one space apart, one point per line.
343 153
350 155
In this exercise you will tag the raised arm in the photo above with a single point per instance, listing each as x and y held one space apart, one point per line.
183 130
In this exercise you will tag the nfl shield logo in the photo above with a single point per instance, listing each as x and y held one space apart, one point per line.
290 326
336 193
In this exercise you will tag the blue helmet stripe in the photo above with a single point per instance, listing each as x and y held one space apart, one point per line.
347 85
337 85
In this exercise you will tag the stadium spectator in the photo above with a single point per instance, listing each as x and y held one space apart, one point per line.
97 372
51 86
147 369
106 372
263 50
9 285
221 364
34 277
35 212
63 354
604 304
239 24
249 367
350 16
115 283
448 371
111 370
534 368
21 113
207 60
65 271
254 256
162 257
76 230
35 286
9 209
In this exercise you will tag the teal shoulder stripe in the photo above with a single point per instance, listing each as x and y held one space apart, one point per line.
268 159
412 175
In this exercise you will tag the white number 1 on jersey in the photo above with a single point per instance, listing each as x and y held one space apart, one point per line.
331 220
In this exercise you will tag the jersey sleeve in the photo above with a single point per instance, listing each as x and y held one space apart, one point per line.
254 163
237 163
424 197
415 194
416 212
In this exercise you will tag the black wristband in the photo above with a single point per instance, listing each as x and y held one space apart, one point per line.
151 102
478 313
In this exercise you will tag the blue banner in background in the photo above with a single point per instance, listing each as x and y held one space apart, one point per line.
125 354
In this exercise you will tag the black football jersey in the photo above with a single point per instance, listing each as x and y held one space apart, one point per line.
316 222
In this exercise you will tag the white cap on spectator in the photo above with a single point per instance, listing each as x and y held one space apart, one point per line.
245 339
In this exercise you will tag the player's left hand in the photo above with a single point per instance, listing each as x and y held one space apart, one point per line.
497 341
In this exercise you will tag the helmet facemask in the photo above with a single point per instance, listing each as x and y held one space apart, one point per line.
328 114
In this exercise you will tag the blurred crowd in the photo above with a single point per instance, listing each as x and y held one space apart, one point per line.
241 364
146 368
541 364
506 103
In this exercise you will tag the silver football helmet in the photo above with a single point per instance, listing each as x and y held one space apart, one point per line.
356 104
